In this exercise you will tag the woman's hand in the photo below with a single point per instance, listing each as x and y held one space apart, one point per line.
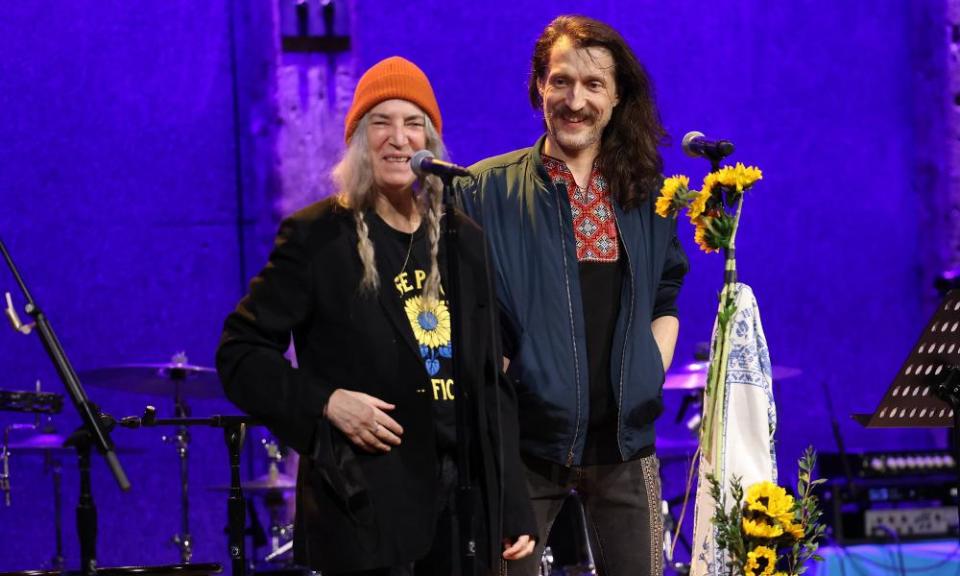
364 420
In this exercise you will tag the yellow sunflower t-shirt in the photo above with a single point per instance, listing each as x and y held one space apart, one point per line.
403 261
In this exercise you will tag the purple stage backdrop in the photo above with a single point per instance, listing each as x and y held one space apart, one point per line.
142 172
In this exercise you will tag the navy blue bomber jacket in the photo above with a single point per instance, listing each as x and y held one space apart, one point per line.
529 228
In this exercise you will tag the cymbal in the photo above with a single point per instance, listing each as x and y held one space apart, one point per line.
693 376
171 379
39 443
270 483
49 442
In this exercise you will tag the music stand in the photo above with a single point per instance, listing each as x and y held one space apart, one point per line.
926 390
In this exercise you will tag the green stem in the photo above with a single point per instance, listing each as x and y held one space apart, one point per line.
716 379
718 366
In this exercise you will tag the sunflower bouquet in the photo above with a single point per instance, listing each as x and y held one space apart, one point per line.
766 531
714 210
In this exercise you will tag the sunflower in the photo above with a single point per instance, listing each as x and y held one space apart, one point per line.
709 181
761 561
759 528
430 322
739 176
672 195
770 500
699 205
795 531
702 236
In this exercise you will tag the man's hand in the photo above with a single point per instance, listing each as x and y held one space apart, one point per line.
665 330
363 419
521 548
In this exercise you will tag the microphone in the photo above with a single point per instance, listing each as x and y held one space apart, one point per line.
695 144
424 162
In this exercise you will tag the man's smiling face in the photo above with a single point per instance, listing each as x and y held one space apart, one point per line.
579 94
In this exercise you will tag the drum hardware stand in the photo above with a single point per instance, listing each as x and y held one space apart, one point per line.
93 430
5 457
670 537
234 430
692 399
53 463
546 562
282 549
275 503
587 566
181 440
4 450
236 513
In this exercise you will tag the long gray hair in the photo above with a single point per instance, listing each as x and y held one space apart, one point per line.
353 177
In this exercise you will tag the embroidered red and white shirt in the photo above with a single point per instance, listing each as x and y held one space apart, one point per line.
594 223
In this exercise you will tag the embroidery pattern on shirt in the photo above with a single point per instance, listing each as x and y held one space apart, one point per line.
594 223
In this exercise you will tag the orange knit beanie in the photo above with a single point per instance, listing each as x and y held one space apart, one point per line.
394 77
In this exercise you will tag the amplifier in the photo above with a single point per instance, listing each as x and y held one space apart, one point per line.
888 464
894 496
908 523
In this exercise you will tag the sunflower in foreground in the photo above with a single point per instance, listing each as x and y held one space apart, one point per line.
770 500
761 561
761 528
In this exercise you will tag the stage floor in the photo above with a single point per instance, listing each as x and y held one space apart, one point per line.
933 558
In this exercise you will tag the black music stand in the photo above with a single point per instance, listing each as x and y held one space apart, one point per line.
926 390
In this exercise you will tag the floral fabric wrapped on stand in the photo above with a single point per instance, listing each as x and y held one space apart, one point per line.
741 429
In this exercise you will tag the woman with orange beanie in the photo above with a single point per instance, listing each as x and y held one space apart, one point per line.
357 281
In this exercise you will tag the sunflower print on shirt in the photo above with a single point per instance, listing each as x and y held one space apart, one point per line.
431 328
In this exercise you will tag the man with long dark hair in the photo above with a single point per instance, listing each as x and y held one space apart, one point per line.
587 279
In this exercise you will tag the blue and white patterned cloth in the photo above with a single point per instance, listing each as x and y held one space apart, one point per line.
742 431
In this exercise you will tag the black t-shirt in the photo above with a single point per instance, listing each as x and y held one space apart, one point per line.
403 263
600 284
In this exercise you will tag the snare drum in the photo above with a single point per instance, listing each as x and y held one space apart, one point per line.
32 402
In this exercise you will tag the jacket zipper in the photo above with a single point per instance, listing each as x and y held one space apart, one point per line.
573 332
623 356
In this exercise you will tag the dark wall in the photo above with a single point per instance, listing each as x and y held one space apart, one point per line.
119 203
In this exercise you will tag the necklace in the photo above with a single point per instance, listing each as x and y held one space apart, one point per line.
407 258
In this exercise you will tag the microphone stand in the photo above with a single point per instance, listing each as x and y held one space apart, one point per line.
467 548
234 430
850 491
92 432
714 155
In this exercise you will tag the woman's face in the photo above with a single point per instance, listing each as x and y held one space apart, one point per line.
395 130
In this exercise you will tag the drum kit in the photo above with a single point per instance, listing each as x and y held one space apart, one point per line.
180 381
